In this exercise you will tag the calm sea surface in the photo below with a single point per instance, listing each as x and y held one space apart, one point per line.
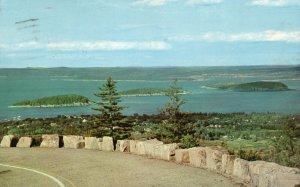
21 84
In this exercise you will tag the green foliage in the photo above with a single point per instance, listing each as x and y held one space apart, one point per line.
172 108
287 145
188 141
110 111
108 106
55 100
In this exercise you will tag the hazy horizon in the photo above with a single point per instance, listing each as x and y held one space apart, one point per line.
49 67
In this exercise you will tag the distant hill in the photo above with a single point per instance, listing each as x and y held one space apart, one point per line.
55 101
260 86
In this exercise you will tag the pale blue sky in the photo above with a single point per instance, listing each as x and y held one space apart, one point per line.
80 33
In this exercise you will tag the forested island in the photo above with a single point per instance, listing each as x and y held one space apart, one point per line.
147 92
259 86
70 100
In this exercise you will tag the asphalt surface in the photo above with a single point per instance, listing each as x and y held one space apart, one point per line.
36 167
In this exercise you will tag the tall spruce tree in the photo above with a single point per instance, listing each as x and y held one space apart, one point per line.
108 105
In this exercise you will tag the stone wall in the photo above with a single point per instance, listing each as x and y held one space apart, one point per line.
216 159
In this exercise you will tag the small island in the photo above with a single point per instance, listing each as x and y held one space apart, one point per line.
147 92
70 100
259 86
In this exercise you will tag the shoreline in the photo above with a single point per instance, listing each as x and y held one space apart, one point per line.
155 94
51 106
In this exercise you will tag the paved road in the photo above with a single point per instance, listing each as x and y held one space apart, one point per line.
89 168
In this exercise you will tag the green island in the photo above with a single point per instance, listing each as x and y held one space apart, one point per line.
259 86
147 92
55 101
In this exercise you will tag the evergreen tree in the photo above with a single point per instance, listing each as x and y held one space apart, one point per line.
175 127
108 106
172 108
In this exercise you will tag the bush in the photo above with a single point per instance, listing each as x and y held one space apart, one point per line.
188 141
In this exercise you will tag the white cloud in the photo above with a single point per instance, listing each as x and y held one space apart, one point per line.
203 2
151 2
94 46
269 36
275 2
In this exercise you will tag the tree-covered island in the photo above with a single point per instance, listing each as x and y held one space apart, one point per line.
69 100
259 86
147 92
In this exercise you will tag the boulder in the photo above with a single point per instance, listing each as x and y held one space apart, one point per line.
123 146
137 147
107 144
149 146
91 143
133 146
24 142
227 163
213 159
241 169
50 141
254 168
8 141
165 151
100 145
197 156
267 174
182 156
73 142
140 148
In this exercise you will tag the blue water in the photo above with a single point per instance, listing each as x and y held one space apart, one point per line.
15 87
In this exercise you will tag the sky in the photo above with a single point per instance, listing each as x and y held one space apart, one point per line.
110 33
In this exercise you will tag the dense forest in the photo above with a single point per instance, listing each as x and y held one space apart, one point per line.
59 100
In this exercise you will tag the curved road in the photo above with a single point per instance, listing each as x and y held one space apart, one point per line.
89 168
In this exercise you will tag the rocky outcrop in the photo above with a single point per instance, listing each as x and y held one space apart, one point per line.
24 142
91 143
197 156
73 142
8 141
123 146
50 141
107 144
182 156
165 151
